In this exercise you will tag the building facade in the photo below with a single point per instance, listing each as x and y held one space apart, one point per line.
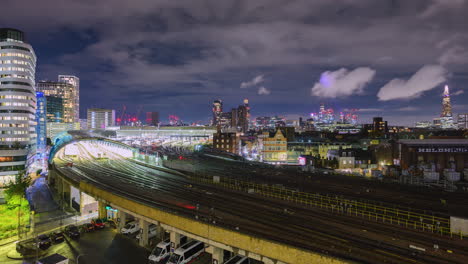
75 82
226 141
274 147
100 118
63 90
217 111
54 129
17 103
152 118
41 120
462 121
54 109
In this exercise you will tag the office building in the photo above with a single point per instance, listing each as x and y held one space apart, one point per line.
17 103
41 120
54 109
217 111
100 118
462 121
75 82
64 90
152 118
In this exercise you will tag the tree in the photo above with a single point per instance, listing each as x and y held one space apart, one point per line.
15 191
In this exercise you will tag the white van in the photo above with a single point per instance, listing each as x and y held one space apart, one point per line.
160 252
130 228
238 260
187 252
152 232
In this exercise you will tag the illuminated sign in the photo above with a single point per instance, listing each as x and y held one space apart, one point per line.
111 209
302 161
443 150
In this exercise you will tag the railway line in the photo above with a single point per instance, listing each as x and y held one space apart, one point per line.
315 230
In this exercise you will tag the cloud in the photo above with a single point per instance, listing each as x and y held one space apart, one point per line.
454 55
342 82
425 79
459 92
437 6
263 91
257 80
364 110
408 109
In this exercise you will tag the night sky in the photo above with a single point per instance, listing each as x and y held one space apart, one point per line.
389 58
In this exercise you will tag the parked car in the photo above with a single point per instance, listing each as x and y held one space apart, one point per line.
152 231
130 228
43 241
27 247
98 223
57 237
72 232
88 227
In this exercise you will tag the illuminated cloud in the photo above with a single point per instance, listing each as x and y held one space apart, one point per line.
342 82
427 78
257 80
263 91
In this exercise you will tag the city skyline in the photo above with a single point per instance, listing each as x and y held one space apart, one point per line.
152 69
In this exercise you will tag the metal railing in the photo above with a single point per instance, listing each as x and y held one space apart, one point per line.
409 218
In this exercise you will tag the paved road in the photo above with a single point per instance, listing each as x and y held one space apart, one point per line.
101 246
340 236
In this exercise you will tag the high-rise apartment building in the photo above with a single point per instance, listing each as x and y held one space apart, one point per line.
100 118
41 118
17 103
152 118
64 90
75 81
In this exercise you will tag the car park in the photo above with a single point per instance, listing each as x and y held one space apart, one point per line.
238 260
163 250
87 227
186 253
43 241
72 232
130 228
27 247
57 237
98 223
152 232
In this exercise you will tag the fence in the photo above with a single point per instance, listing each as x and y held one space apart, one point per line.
409 218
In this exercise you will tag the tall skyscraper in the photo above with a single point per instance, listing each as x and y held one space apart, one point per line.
446 117
64 90
75 81
41 118
247 107
152 118
17 103
379 125
100 118
217 111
